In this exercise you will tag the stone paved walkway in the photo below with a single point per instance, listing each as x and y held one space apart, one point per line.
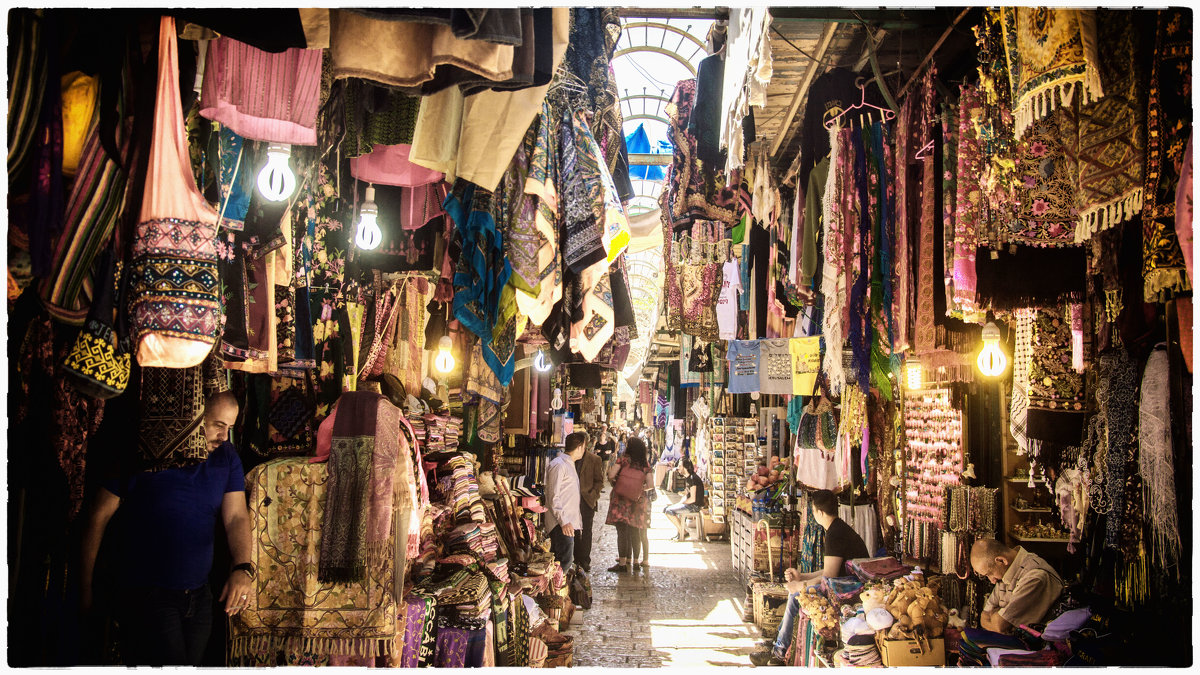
684 611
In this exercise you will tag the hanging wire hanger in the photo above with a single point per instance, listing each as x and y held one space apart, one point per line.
886 113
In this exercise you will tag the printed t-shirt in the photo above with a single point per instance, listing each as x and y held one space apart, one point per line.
727 301
743 366
169 518
775 366
806 362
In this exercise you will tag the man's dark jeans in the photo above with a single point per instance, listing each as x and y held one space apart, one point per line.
562 546
163 627
583 543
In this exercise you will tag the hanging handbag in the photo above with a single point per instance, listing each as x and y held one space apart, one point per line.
580 588
98 363
629 484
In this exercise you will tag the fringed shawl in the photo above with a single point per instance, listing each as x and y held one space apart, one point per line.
1052 55
1156 463
1056 390
1109 134
833 277
290 609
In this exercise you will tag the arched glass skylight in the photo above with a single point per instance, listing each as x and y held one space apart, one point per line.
651 57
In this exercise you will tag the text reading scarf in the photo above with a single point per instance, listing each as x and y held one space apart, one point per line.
1052 56
290 608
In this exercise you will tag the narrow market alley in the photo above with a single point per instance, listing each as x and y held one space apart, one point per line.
686 610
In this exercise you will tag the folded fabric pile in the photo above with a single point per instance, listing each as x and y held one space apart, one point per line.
499 569
878 569
860 651
841 589
477 538
1024 658
974 644
460 490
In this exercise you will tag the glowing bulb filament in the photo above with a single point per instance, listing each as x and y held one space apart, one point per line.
540 362
276 182
992 360
444 361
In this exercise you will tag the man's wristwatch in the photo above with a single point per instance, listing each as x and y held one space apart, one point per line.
246 567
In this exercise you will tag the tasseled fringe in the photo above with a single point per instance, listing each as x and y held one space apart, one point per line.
1044 102
1103 216
1160 282
242 647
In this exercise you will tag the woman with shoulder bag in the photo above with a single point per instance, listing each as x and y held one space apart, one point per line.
629 506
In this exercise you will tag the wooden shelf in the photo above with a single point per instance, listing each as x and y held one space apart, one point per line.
1045 510
1019 479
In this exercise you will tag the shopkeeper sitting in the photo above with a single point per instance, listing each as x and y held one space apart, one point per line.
166 547
1026 585
842 543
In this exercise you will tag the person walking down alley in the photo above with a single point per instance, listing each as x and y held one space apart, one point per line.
563 518
591 480
628 506
166 544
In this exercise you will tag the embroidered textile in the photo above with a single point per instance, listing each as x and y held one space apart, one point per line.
1056 390
539 244
695 190
1168 128
175 304
172 409
1047 185
1108 137
482 270
290 609
1156 462
833 270
925 333
1052 56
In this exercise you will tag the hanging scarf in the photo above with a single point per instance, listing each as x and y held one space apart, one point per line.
533 237
1022 354
969 198
1183 210
902 303
1056 391
924 338
172 410
344 529
1052 56
1156 462
884 361
1116 396
583 194
1168 127
1047 187
954 261
833 287
1108 140
860 327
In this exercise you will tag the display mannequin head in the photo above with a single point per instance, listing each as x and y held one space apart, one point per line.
825 507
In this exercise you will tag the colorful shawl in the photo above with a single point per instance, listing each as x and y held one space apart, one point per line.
970 201
833 270
1169 126
532 240
1056 390
1052 54
1108 138
362 462
583 193
290 608
1047 187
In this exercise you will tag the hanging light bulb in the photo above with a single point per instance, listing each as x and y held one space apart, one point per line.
541 362
369 235
992 360
276 181
912 371
444 361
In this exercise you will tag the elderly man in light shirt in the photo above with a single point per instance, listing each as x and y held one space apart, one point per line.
1026 585
563 517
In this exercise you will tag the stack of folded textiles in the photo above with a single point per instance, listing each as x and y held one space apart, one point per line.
974 644
878 569
499 569
860 651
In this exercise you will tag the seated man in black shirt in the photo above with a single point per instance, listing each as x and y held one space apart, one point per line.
693 499
842 543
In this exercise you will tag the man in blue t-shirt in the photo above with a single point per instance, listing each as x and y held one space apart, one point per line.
165 546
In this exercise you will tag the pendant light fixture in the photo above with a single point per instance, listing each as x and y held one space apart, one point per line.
992 360
444 361
542 362
276 182
368 236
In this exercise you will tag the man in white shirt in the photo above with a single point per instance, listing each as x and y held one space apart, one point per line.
563 517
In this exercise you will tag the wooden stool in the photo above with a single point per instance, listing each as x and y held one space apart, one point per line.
697 520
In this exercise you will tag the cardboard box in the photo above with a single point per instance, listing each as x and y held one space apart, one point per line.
907 653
